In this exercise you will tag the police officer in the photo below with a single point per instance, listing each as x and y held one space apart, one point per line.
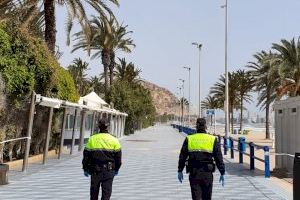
201 151
102 160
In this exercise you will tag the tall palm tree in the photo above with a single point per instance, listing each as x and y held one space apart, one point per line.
119 43
75 8
244 87
218 91
288 60
266 81
78 71
106 38
99 43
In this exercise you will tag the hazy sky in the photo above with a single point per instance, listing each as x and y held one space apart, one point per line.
164 30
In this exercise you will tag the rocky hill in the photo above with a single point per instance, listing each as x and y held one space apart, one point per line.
164 100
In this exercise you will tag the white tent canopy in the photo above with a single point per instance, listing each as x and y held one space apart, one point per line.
92 100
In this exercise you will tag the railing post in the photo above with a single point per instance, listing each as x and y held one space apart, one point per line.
62 133
231 147
241 151
252 156
29 132
296 176
267 162
219 139
225 145
48 136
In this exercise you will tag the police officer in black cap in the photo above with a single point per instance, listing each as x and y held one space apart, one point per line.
201 151
102 160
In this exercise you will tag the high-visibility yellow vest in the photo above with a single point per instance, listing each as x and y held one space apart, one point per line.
103 141
201 142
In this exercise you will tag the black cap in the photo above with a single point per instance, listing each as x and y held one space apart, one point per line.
103 123
201 122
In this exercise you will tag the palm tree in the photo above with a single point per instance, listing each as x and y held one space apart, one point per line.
97 85
27 17
288 60
106 38
211 102
266 81
183 103
127 71
244 87
75 9
218 91
77 70
99 42
119 42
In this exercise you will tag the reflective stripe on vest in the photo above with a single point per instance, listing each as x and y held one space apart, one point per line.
201 142
103 141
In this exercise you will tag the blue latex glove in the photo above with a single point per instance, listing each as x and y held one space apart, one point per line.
116 173
222 180
180 176
86 174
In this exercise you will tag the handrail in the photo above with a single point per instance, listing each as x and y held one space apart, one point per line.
229 143
284 154
16 139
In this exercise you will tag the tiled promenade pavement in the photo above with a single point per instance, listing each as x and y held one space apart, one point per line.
149 172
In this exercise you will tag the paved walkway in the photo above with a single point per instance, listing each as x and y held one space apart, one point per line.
149 172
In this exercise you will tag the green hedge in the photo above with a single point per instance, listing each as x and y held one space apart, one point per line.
26 65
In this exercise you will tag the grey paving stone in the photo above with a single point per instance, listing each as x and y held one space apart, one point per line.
149 172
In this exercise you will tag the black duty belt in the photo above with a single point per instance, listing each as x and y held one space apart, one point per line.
104 166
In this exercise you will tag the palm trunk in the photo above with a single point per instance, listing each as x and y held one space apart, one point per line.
112 67
10 151
231 110
106 63
50 25
241 118
267 121
182 112
268 113
1 153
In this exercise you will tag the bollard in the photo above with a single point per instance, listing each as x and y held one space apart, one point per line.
241 159
296 176
252 157
3 174
267 162
225 145
231 147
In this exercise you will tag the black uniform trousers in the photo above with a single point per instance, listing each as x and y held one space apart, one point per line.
105 182
201 186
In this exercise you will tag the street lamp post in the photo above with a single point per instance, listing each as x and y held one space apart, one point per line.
180 102
199 46
182 80
227 126
189 115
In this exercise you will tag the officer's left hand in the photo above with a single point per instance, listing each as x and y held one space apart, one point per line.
222 180
86 174
180 176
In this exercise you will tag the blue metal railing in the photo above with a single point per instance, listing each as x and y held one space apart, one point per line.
229 144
